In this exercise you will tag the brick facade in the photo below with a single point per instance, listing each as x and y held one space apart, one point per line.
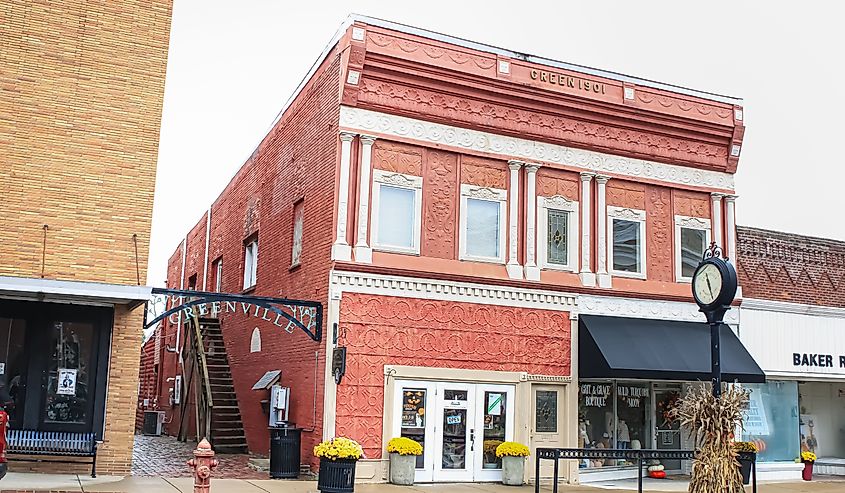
81 90
773 265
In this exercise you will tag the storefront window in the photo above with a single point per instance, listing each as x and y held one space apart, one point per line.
772 420
614 415
68 388
633 414
595 419
13 366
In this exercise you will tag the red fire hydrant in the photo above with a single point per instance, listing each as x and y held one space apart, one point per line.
4 421
202 464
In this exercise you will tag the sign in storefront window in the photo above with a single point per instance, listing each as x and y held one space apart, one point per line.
772 420
495 412
413 419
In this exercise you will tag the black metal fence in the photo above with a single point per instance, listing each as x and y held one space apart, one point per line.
640 456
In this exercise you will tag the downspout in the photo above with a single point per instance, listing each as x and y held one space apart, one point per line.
207 238
181 287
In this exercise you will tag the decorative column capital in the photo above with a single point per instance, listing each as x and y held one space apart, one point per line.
367 140
347 136
731 198
533 167
514 164
587 176
717 196
601 179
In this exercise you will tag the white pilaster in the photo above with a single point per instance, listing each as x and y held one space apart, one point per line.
588 278
341 249
363 252
513 266
532 272
730 223
604 279
716 217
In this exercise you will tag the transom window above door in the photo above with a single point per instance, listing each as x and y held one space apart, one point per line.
626 242
557 228
692 235
483 224
397 209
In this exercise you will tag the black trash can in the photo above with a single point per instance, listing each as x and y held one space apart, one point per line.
285 444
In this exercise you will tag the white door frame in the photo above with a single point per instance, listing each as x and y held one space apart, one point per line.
425 475
442 405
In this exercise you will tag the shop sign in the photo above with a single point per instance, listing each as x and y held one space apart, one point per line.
595 394
632 396
817 360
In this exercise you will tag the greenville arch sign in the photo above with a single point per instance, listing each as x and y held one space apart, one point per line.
286 314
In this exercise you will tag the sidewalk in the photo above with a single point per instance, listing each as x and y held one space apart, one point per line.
28 482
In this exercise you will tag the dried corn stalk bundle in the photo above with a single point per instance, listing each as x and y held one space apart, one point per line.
712 423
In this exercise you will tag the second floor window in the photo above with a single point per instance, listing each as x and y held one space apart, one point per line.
250 263
298 219
557 233
397 209
483 224
626 240
692 235
218 275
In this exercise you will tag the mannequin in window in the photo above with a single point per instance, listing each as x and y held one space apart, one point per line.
623 436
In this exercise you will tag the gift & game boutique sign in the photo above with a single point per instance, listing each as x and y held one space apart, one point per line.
286 314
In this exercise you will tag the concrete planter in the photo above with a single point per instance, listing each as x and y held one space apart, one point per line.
513 470
402 469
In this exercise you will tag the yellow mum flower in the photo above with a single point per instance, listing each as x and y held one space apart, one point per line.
339 448
404 446
512 449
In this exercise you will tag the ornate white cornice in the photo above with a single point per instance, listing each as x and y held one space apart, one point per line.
433 289
642 308
484 193
398 179
559 202
626 213
692 222
530 150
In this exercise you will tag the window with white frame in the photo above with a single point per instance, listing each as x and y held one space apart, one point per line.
483 224
557 233
298 218
218 275
250 263
626 241
396 212
692 235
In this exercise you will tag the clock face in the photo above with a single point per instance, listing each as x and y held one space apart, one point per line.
707 284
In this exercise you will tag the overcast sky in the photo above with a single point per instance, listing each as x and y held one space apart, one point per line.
232 64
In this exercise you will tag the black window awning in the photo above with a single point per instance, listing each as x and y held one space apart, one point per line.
639 348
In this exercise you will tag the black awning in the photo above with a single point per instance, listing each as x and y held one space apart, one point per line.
616 347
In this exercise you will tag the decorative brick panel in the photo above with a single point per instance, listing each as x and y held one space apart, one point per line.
779 266
383 330
440 205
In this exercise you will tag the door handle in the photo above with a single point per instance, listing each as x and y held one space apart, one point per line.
471 440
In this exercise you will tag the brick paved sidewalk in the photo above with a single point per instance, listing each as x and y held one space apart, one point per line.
165 457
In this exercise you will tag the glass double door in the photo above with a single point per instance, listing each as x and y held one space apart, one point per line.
459 426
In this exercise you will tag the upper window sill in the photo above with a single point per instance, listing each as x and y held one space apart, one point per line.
391 249
488 260
630 275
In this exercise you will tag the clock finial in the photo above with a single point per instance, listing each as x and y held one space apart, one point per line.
714 250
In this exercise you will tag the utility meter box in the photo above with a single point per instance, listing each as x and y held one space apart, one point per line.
279 405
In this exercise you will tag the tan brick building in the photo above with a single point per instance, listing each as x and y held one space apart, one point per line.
81 89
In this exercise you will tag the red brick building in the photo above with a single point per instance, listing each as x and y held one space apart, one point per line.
459 209
793 318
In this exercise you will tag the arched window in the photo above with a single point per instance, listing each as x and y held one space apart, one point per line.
255 342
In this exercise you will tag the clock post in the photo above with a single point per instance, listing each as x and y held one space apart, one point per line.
714 289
